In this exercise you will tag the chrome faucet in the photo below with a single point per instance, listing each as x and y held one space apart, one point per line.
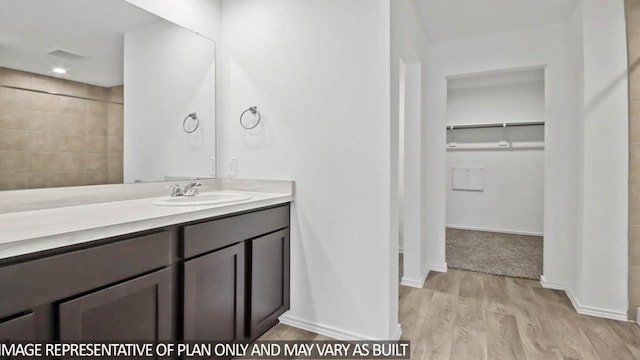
188 190
191 189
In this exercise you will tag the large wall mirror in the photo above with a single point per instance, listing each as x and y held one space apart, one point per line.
102 92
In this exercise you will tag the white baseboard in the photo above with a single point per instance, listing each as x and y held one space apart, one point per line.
411 282
549 285
502 231
595 311
415 283
397 334
331 331
439 268
581 309
574 301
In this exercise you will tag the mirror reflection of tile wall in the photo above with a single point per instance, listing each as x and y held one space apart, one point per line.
56 132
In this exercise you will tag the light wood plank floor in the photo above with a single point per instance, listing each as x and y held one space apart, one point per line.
468 315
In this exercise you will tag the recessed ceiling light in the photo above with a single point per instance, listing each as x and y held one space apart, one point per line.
59 71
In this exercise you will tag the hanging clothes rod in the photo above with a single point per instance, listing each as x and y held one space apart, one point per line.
496 145
494 125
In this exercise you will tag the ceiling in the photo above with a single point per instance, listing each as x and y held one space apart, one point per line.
454 19
94 29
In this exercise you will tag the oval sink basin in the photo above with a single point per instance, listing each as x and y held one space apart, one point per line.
208 198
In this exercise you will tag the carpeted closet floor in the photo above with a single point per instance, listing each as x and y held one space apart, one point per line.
495 253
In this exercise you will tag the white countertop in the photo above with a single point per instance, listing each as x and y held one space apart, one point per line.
37 230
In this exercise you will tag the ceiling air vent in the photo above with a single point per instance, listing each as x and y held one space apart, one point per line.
65 55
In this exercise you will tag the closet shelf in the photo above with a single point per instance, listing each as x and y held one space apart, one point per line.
497 145
494 124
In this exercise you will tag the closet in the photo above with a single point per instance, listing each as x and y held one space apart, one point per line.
495 164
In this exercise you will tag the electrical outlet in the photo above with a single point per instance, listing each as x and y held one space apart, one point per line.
232 167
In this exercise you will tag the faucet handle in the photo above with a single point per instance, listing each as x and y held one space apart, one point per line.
175 189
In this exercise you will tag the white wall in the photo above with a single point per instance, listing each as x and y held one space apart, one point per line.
201 16
413 273
575 97
169 73
605 171
401 108
318 71
408 45
544 46
512 200
497 103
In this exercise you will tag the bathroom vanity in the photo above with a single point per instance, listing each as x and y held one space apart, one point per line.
208 273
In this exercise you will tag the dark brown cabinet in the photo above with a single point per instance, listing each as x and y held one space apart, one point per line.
237 284
214 305
224 278
269 281
37 288
21 328
135 310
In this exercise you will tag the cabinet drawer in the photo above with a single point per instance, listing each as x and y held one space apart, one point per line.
212 235
56 277
136 310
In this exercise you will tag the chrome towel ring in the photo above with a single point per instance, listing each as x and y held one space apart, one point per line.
254 111
196 123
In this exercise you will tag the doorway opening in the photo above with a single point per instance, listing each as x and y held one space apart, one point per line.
495 172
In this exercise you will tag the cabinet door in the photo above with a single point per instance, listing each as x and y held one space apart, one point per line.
135 310
269 281
214 296
21 328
